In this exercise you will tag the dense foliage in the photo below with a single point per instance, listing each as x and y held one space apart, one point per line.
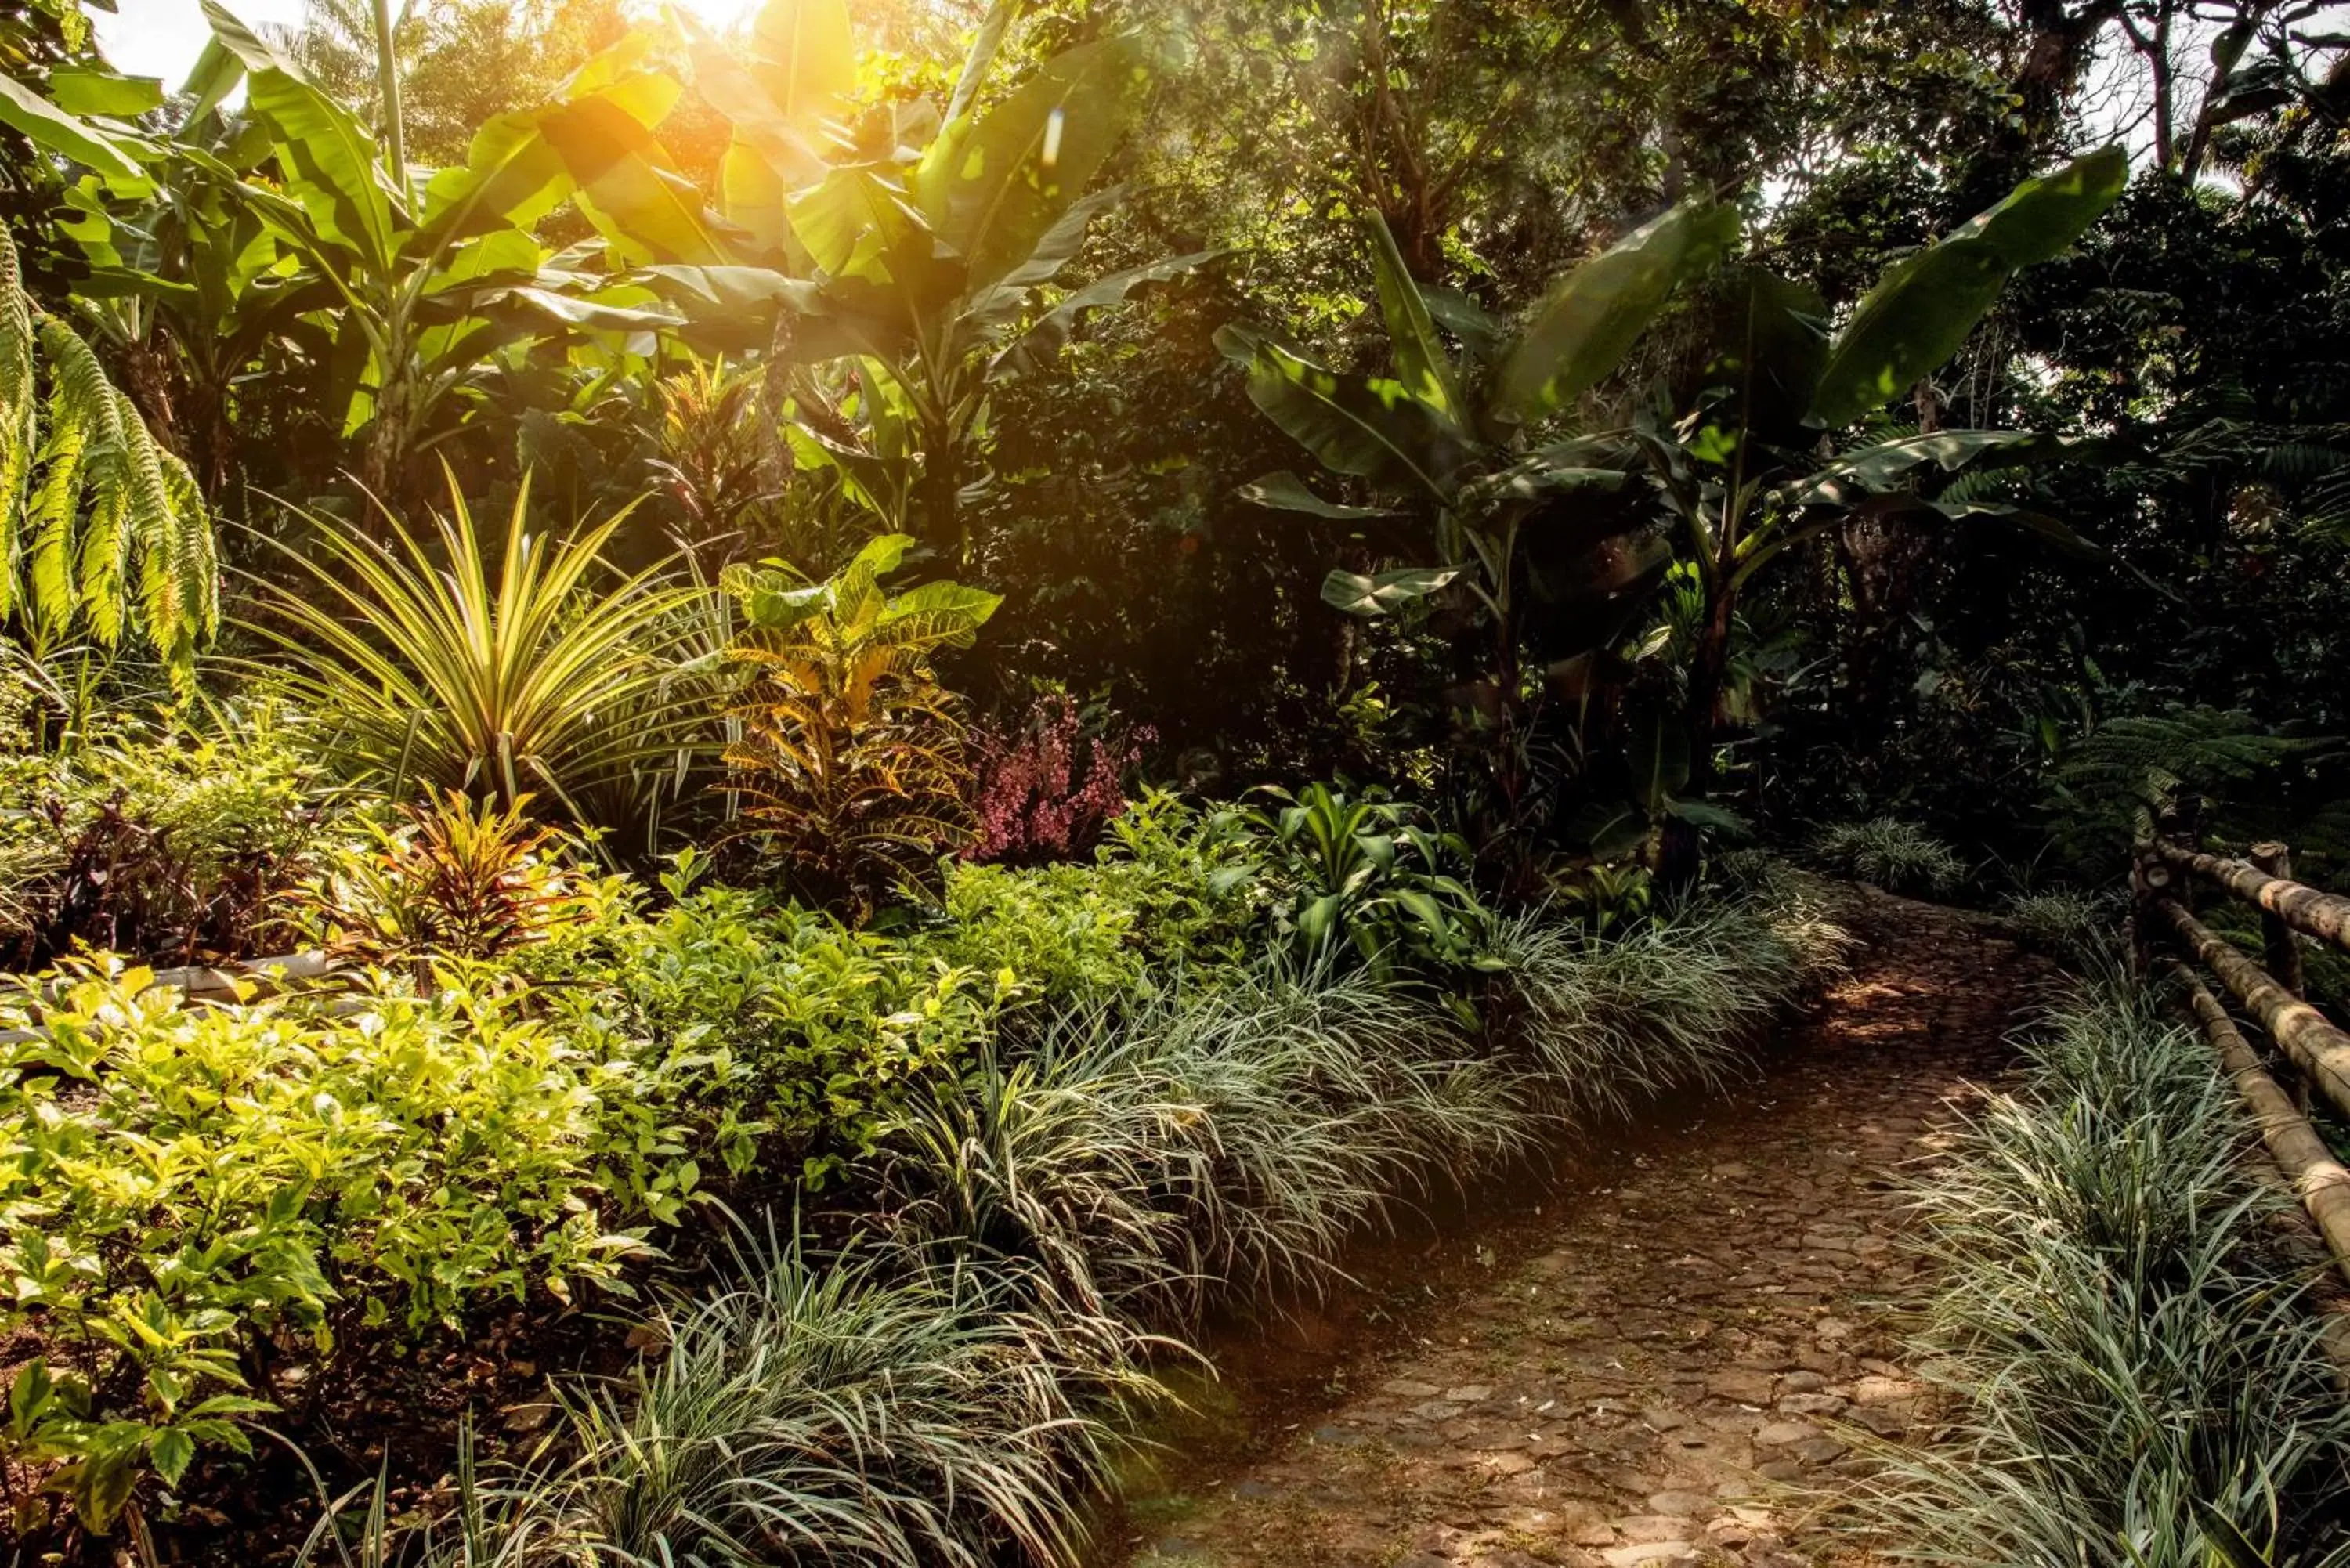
977 677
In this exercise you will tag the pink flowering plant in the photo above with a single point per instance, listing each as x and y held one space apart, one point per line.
1048 786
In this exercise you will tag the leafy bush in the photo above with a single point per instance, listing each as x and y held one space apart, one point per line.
1899 856
1197 898
165 838
1066 931
447 880
1363 873
850 756
188 1187
2137 1381
1032 801
791 1026
2078 930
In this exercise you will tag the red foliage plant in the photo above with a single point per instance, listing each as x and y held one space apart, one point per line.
1035 803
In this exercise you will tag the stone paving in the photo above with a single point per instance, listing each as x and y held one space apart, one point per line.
1689 1332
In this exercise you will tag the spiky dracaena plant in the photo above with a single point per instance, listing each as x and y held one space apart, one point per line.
852 758
89 503
500 675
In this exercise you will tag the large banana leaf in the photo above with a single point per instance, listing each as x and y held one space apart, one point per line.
804 56
993 185
780 101
1383 593
1923 306
328 160
1871 469
117 157
1773 344
1035 348
1593 314
1283 491
646 210
512 177
1420 362
1374 428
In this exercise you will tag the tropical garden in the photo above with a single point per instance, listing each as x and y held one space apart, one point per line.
740 752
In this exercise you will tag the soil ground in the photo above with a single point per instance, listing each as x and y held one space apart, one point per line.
1649 1358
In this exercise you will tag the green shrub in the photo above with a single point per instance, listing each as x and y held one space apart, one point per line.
1068 932
164 838
1365 875
2135 1380
1899 856
187 1187
794 1026
1186 874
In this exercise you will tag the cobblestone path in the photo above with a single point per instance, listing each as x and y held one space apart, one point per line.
1686 1321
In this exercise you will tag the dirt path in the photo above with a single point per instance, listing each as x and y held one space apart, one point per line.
1624 1380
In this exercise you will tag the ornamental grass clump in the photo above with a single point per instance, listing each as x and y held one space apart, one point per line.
843 1412
1671 1001
2078 930
1899 856
1218 1138
2134 1376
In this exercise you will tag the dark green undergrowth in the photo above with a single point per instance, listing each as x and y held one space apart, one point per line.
2133 1372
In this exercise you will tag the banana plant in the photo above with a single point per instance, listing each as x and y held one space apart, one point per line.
399 288
1453 447
1737 470
912 245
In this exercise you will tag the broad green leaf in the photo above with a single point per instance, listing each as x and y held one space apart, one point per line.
1923 305
1773 338
1871 469
980 58
1593 314
1284 491
571 310
330 165
171 1451
1657 751
778 101
1385 592
645 210
512 176
106 92
1035 348
1420 363
850 221
994 186
112 156
803 54
1375 430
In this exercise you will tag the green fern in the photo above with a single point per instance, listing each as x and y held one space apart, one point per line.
2111 783
89 503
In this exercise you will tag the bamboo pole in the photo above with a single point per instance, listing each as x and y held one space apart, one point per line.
2324 916
2306 1035
2317 1177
